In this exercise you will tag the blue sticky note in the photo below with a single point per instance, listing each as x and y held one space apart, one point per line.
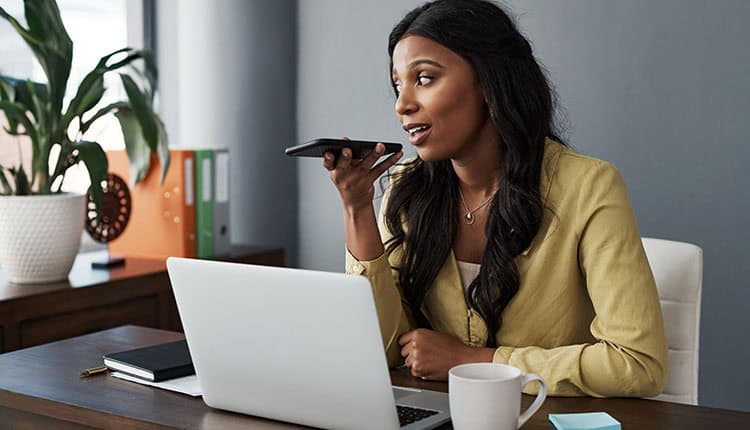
584 421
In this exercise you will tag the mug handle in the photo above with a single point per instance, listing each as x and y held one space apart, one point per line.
525 379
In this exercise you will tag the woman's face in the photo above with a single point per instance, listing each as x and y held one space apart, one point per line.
440 101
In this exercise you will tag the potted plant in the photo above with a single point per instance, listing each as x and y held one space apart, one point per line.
40 226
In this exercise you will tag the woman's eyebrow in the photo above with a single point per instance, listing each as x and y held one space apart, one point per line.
416 63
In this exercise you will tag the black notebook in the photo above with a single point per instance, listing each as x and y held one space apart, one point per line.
153 363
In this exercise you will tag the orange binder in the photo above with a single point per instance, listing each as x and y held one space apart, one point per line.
162 220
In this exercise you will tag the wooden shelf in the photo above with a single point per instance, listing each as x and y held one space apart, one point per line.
96 299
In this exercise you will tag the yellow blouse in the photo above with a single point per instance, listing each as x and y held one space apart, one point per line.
586 317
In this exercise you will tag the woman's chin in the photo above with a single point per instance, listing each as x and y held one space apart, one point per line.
428 155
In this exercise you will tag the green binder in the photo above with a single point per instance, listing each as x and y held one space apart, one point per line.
204 202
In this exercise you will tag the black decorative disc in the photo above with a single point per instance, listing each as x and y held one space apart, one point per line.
115 210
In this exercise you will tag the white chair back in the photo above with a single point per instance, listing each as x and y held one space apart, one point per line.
678 271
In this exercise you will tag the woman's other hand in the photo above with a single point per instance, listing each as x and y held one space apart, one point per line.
430 354
355 178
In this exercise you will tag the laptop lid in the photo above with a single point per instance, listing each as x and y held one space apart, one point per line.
287 344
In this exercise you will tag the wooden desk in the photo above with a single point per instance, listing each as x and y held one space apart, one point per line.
94 299
40 389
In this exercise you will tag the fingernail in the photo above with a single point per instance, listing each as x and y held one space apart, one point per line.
327 156
379 148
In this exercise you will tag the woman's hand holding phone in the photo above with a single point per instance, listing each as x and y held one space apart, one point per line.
355 179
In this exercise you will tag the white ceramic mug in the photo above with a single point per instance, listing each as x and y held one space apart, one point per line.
487 396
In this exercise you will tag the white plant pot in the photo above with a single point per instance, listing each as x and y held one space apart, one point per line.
40 236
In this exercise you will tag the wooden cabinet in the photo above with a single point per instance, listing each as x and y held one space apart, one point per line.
96 299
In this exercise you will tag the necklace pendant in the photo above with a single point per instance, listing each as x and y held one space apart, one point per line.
469 218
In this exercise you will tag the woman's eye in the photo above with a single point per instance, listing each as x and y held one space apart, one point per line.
397 87
424 80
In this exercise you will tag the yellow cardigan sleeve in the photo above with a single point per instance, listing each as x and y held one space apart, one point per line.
394 315
629 357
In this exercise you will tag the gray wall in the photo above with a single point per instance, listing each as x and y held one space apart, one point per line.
658 88
228 72
343 89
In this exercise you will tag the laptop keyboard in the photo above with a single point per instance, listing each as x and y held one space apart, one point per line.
408 415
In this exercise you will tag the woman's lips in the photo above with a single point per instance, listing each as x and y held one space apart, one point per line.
419 137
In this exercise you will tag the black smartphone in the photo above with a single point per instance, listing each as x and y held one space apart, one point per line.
318 147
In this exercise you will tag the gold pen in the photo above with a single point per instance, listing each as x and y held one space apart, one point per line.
93 371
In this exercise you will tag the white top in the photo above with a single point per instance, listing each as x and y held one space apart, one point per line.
468 271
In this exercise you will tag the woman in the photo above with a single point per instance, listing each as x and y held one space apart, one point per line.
498 243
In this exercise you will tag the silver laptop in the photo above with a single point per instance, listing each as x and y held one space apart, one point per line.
293 345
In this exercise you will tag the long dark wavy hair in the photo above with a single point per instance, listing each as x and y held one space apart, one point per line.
520 102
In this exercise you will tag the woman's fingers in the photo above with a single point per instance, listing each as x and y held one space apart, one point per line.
344 161
407 349
373 156
408 361
405 338
354 178
329 161
342 169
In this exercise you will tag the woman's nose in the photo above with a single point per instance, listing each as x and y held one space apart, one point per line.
405 103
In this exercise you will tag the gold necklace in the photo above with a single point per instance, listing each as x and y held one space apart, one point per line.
469 217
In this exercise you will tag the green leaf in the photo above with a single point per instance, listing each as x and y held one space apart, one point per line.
55 52
103 61
50 43
142 112
39 138
100 113
93 156
152 75
162 148
7 190
38 108
38 105
89 93
126 61
7 90
23 93
91 88
41 146
24 33
22 182
8 93
148 76
143 82
139 153
23 89
17 112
